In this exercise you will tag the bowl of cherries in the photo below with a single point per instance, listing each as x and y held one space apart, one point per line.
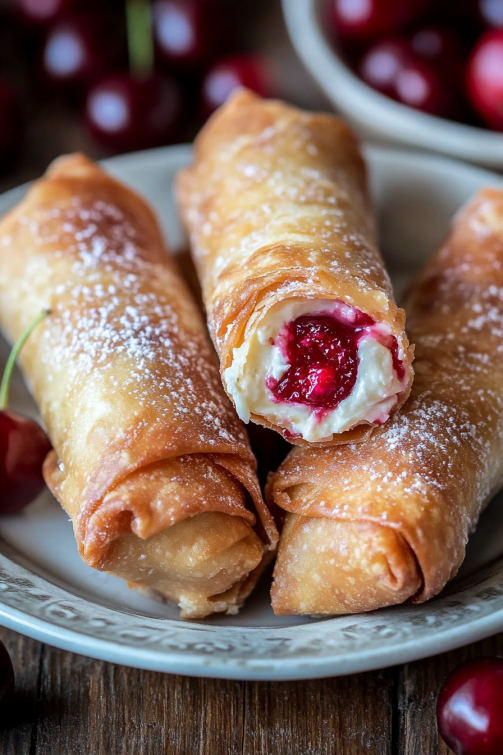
421 73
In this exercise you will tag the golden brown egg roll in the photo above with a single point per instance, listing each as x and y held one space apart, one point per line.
299 304
379 523
149 459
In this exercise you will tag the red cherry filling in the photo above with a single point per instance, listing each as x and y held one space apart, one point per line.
322 353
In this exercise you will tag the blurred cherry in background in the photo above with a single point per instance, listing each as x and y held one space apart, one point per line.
138 108
412 72
126 113
39 12
230 73
77 49
190 33
67 60
485 78
366 20
491 13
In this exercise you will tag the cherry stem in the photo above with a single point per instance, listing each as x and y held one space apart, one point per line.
139 37
9 367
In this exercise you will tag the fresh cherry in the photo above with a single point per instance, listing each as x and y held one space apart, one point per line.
441 47
39 12
188 32
230 73
127 113
23 445
419 86
11 125
7 678
469 708
366 20
491 13
393 68
380 66
23 448
77 49
485 79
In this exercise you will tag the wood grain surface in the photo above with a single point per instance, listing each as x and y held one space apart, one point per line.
66 704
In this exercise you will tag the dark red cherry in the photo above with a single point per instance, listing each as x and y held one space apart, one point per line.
11 125
420 86
391 67
77 49
127 113
23 448
491 13
484 79
381 64
440 47
469 708
23 444
188 32
365 20
230 73
7 678
39 12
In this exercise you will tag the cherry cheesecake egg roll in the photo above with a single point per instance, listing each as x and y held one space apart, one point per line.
299 304
149 459
379 523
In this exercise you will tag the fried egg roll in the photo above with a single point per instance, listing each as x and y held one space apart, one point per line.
386 521
149 460
299 304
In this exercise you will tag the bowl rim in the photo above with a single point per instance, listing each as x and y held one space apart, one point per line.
373 110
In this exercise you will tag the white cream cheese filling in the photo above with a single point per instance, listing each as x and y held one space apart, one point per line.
258 358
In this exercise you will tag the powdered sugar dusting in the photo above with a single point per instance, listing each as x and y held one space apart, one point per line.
122 321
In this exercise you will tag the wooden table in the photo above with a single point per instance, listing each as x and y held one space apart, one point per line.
67 705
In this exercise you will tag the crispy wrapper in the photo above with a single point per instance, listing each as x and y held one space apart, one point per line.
149 459
387 521
277 208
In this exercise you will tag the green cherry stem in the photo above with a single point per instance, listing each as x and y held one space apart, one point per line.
139 37
9 367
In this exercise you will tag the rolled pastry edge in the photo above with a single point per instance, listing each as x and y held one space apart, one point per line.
179 530
320 561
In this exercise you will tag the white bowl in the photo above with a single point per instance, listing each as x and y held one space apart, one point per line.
373 114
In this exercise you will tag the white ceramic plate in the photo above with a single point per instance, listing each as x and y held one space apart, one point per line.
47 592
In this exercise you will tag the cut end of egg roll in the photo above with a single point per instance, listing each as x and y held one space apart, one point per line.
205 564
300 307
328 566
179 528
